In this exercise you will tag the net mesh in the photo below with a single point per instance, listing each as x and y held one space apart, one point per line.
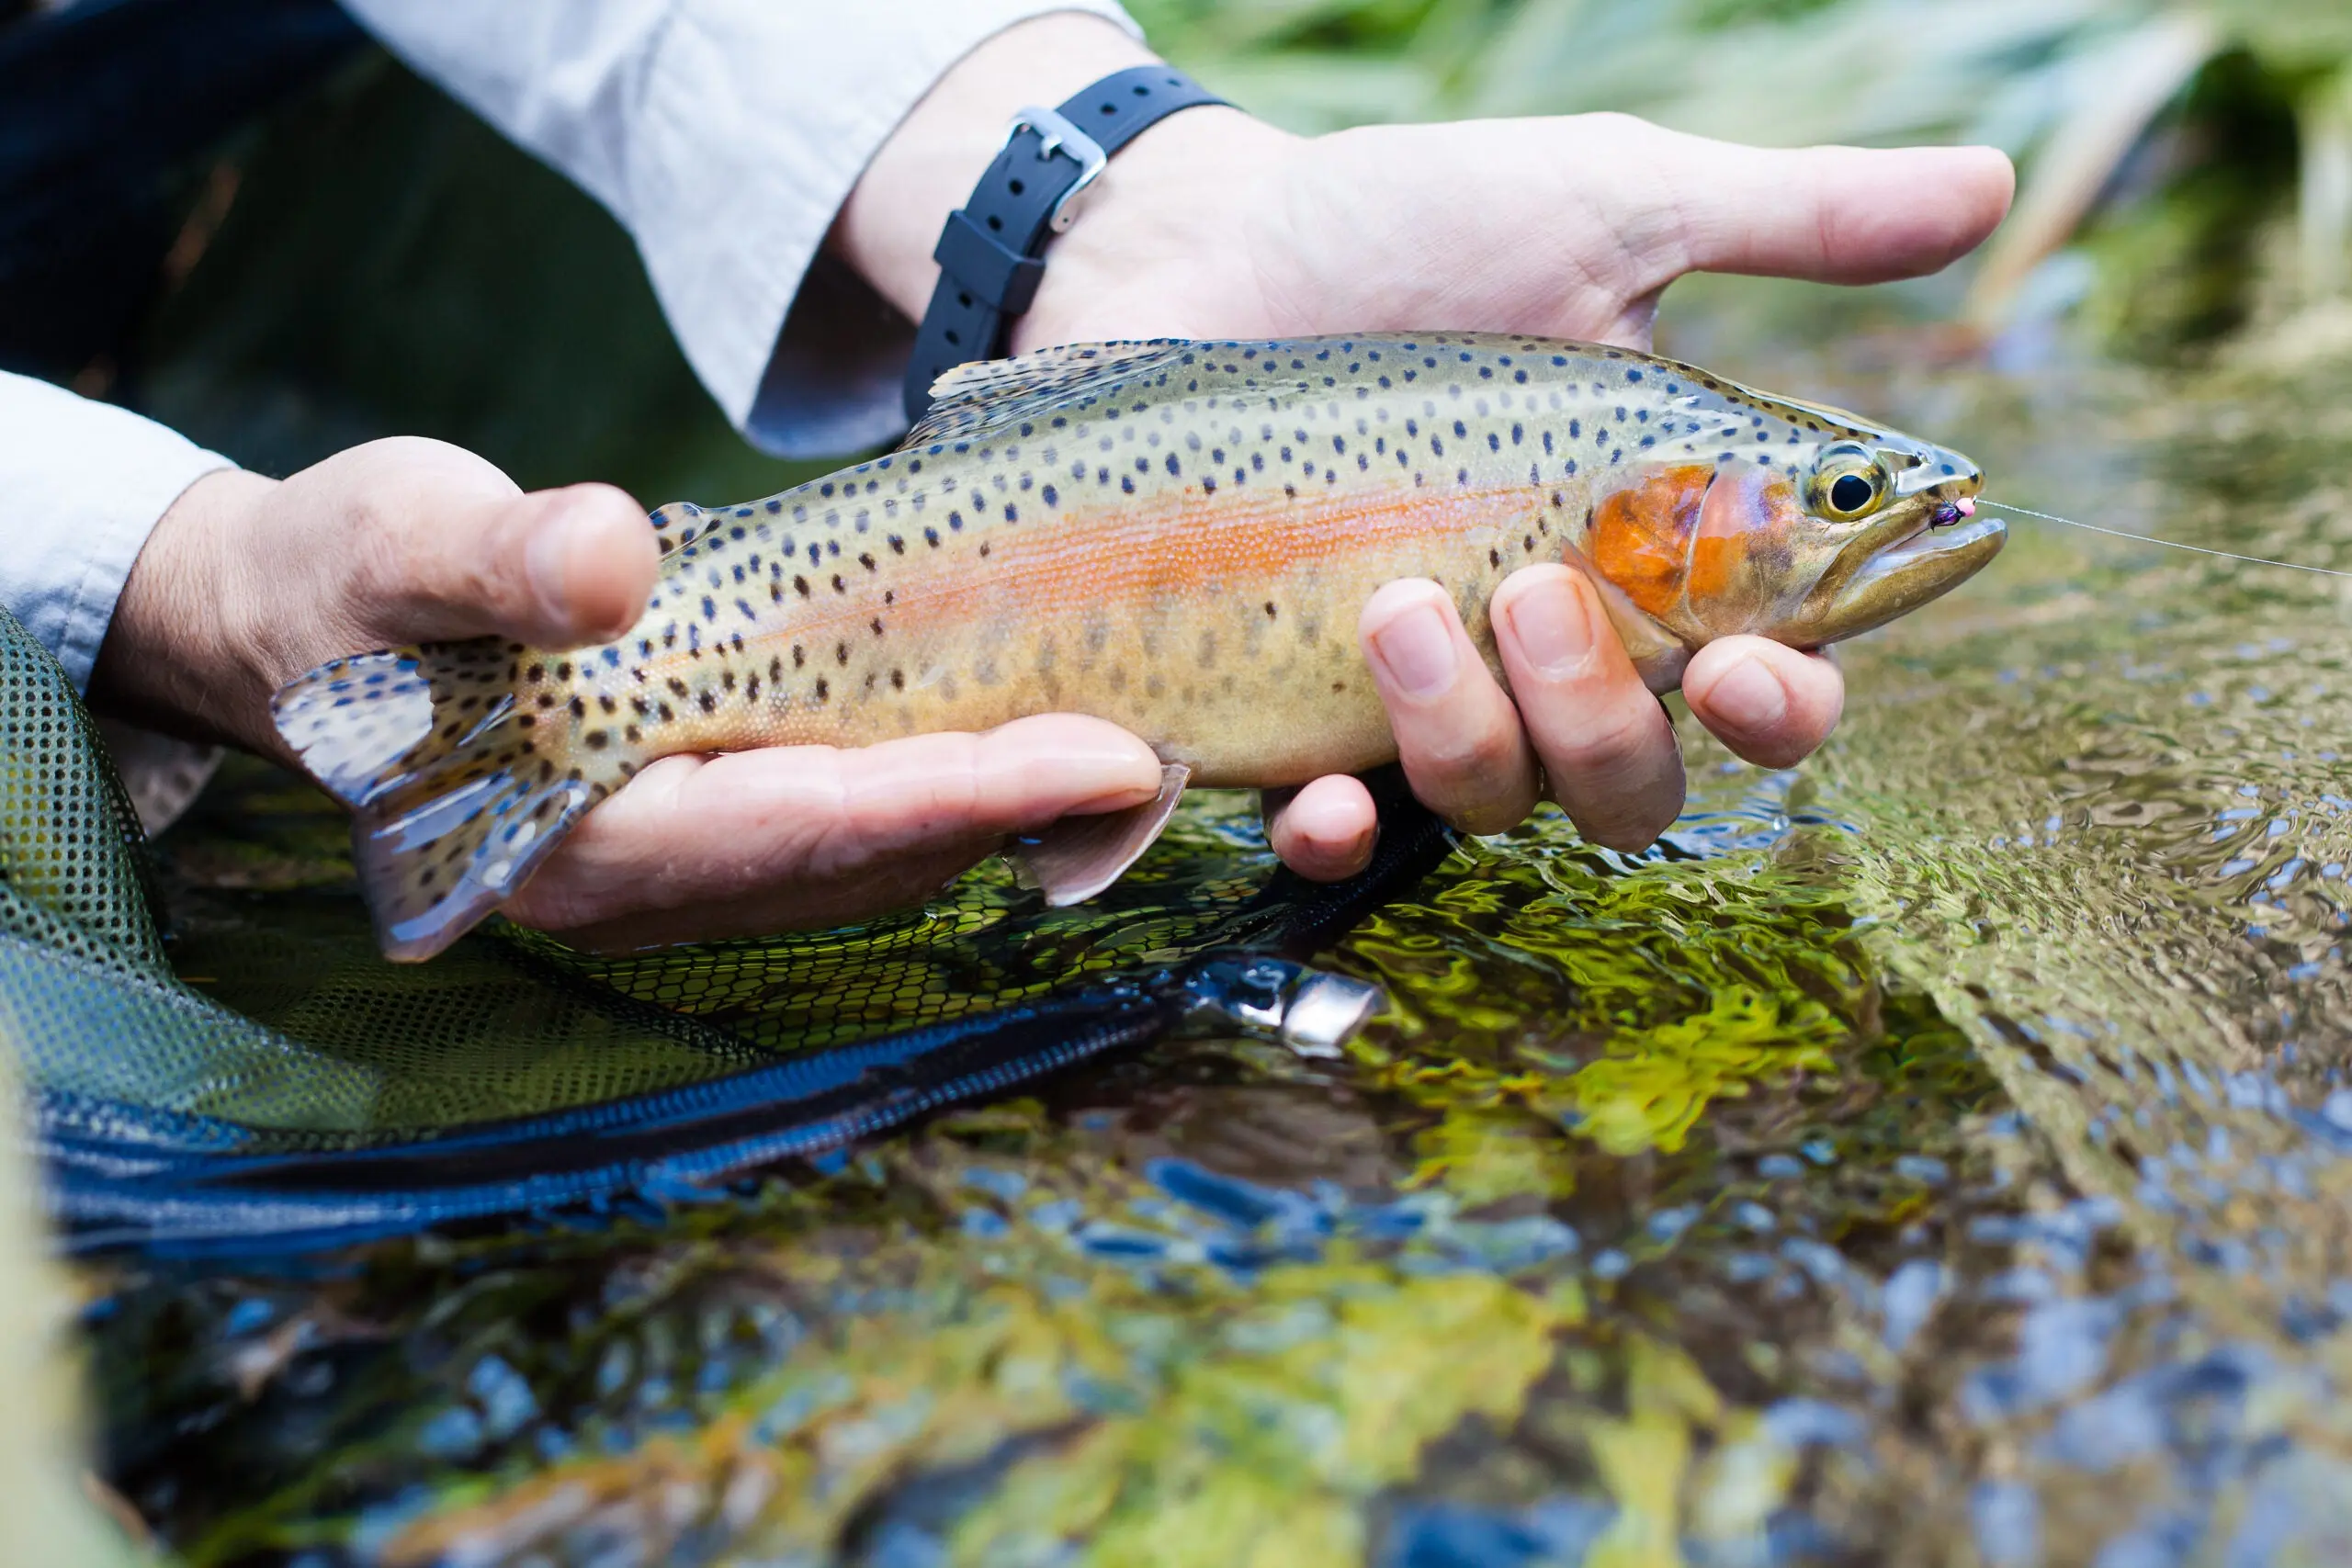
265 1023
70 851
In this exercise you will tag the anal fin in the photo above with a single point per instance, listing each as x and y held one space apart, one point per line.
1079 856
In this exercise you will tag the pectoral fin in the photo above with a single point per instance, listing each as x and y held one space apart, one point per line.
1079 856
1658 654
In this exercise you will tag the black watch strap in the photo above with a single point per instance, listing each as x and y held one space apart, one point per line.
989 252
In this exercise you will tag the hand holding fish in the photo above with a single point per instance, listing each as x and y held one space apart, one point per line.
1217 225
839 721
248 581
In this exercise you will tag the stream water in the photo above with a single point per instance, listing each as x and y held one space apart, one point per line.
1933 1154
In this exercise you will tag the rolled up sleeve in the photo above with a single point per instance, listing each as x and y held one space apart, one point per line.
725 135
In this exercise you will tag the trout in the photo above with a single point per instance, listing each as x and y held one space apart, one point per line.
1173 535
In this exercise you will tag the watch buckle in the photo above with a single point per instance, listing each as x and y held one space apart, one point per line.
1056 134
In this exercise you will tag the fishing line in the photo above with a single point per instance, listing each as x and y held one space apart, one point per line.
2168 544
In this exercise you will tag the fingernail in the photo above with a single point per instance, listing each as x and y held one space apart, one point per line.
1416 651
545 558
1553 626
1748 697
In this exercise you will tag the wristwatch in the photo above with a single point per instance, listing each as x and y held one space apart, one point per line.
990 252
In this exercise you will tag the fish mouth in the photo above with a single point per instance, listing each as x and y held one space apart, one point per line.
1950 545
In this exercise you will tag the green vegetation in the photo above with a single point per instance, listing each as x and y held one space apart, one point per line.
2187 146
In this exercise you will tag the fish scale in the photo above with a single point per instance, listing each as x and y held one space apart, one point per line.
1175 537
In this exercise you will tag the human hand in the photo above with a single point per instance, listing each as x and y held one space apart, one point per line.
247 582
1213 224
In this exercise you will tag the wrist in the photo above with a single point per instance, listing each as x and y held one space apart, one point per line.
1162 248
891 222
1162 205
171 659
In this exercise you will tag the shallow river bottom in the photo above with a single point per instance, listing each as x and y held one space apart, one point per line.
1937 1155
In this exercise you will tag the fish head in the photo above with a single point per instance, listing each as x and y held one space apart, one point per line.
1822 529
1885 524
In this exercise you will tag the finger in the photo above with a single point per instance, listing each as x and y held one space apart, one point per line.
555 568
792 837
450 548
1609 751
1834 214
1457 734
1770 704
1323 830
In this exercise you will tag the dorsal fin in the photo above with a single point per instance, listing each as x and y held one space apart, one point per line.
996 394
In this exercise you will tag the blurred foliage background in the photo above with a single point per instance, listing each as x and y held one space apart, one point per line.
2180 158
2172 144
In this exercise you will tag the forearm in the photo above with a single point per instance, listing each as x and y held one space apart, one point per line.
175 659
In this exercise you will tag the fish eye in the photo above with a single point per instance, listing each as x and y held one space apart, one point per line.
1849 484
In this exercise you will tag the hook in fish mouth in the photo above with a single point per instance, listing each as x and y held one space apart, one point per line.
1953 511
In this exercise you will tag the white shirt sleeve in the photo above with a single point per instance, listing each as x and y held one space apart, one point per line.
81 485
725 135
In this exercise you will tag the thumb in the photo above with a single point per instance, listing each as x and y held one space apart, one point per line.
554 567
1832 214
587 559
